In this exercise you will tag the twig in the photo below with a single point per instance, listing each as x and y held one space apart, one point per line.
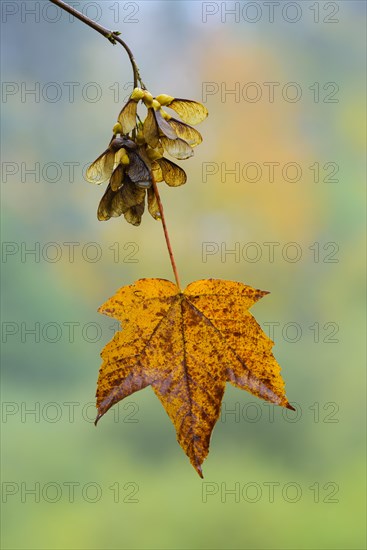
170 252
112 36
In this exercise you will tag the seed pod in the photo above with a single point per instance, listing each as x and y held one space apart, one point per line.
137 94
117 129
156 105
148 99
125 160
164 99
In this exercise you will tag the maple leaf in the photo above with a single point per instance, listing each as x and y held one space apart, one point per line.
187 345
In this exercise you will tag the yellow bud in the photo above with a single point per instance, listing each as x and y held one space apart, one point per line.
119 154
117 129
137 94
125 160
164 99
156 105
148 98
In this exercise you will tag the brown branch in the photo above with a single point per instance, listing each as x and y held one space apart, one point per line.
112 36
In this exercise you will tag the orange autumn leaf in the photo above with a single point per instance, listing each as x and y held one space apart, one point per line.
187 345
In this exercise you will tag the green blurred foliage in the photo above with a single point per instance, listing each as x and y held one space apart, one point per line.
142 491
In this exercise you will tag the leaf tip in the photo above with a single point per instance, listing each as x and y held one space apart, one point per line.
99 416
289 406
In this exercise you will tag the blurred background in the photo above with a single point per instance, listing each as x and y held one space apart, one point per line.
274 199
